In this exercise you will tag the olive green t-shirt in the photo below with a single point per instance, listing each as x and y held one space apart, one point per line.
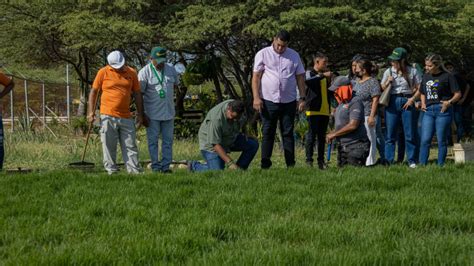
217 129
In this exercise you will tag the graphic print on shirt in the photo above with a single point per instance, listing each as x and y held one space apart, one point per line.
432 89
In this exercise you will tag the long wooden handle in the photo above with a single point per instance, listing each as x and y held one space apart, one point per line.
90 128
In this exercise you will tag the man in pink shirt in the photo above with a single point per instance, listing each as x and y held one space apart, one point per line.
277 72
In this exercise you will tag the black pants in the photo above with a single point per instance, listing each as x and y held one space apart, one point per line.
273 113
318 125
353 154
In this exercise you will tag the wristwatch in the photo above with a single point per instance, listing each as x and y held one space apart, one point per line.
302 98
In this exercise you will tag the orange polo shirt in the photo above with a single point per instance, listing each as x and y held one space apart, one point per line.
117 88
4 80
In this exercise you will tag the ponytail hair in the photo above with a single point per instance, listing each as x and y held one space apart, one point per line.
436 60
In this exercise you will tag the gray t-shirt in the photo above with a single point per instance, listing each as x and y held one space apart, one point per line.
157 108
354 110
365 91
399 84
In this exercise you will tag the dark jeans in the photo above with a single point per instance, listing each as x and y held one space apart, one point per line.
2 152
272 113
401 145
318 125
380 137
458 121
248 146
467 119
353 154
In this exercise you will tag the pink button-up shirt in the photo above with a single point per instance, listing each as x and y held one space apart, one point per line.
278 83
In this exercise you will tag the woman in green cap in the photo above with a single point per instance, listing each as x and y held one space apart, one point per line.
404 83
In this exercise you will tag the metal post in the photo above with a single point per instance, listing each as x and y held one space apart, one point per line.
68 95
27 109
12 116
43 105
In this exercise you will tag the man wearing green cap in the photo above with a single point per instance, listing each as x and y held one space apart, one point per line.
158 81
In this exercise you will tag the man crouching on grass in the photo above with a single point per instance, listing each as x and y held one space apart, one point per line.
220 134
354 144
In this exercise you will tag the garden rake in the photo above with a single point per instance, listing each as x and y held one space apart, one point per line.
83 164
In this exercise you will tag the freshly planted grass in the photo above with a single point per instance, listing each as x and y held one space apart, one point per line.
379 215
297 216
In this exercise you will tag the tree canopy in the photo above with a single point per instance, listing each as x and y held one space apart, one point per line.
82 32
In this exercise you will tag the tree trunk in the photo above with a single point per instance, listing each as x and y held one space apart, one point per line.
82 109
217 86
182 89
229 88
238 73
180 94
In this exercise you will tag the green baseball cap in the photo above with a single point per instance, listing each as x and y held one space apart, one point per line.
397 54
159 54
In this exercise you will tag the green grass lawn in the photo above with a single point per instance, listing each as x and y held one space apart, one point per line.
392 215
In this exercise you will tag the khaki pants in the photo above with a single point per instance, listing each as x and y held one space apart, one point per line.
113 130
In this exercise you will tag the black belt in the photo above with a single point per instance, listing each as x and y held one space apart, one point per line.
407 95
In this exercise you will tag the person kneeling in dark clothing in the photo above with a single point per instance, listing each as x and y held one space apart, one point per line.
350 133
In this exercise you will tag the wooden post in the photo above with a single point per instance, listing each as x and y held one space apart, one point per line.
68 95
27 109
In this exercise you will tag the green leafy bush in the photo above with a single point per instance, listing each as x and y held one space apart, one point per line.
192 79
185 129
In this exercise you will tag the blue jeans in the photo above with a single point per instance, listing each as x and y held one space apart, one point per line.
2 152
153 131
248 146
434 120
418 118
394 114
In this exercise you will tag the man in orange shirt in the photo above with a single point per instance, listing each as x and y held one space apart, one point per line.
118 82
8 86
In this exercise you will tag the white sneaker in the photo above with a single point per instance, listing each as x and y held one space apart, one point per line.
412 166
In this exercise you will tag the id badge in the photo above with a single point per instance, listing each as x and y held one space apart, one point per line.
161 92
